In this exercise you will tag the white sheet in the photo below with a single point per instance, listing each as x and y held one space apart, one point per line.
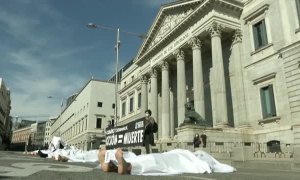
215 165
55 143
176 161
73 154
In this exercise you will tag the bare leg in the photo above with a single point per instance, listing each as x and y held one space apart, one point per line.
33 153
101 158
123 166
62 158
106 167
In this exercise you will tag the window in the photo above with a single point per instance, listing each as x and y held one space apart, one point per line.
113 105
99 122
273 146
131 105
298 9
247 143
139 100
123 108
99 104
260 34
113 123
267 101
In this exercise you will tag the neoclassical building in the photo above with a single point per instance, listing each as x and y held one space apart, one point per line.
83 121
236 61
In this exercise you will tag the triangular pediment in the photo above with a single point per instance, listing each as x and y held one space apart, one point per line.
169 22
168 17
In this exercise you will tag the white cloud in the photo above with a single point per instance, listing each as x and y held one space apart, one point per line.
24 59
24 20
35 82
61 53
16 25
32 77
39 60
31 96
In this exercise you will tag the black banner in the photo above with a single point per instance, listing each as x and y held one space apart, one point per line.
127 135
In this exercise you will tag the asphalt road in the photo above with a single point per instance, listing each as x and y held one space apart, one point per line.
15 165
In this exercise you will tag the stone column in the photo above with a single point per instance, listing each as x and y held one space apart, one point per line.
218 79
154 100
296 155
199 101
154 96
165 101
172 121
237 83
144 100
181 85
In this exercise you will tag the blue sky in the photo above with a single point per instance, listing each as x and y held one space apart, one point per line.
46 48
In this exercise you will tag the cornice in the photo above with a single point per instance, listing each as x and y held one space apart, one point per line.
131 84
247 2
128 72
256 12
264 78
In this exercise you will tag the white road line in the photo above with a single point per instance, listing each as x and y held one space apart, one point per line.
26 169
197 177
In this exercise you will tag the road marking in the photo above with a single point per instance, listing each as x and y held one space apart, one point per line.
21 157
26 169
197 177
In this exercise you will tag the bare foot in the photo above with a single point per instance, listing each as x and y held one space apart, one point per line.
123 166
62 158
33 153
101 158
59 158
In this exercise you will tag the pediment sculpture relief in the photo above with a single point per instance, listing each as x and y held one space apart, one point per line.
168 24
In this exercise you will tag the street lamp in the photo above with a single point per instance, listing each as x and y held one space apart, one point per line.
61 106
16 122
117 47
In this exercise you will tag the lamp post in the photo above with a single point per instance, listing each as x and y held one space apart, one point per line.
16 122
117 47
61 106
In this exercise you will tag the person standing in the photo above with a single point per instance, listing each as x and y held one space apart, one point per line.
109 125
204 139
149 129
197 140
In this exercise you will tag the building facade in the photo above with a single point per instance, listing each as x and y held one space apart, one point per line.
236 61
47 132
5 119
38 134
21 138
83 121
21 135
